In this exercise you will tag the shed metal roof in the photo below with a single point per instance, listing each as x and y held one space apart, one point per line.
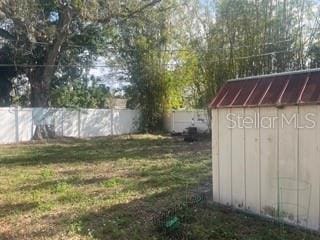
290 88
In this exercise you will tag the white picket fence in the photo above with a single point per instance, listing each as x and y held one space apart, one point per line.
19 124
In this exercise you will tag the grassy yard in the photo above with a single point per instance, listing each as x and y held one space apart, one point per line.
112 188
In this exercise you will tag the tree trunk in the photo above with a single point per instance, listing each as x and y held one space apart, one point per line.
40 99
44 132
39 92
41 77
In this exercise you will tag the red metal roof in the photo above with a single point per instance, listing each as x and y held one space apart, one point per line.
291 88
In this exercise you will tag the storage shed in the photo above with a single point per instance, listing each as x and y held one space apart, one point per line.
266 144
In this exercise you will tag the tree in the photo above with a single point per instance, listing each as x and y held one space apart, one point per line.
314 55
40 32
142 46
161 64
247 38
56 24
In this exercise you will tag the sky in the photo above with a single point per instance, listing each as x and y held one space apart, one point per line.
110 77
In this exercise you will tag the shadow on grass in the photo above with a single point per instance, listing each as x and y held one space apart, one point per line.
134 221
52 226
9 209
126 221
139 180
206 221
184 176
75 181
130 220
5 236
102 150
94 151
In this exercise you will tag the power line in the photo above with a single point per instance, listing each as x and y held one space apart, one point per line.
268 54
72 65
43 43
164 64
162 50
57 65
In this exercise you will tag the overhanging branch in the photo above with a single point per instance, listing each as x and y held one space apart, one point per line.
131 14
150 4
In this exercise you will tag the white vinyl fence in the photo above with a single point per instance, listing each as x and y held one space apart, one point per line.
19 124
178 121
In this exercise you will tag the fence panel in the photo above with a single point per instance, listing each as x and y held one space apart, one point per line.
95 122
25 124
178 121
125 121
19 124
71 123
8 128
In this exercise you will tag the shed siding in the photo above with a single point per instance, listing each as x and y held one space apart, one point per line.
225 161
238 166
269 171
252 159
215 155
288 160
308 170
268 162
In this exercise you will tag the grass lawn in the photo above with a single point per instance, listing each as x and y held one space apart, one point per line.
112 188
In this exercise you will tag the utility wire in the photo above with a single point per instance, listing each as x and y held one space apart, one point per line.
165 64
162 50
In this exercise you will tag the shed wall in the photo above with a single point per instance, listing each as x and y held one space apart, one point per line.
271 168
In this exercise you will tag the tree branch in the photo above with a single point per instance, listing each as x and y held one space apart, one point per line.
129 15
61 37
150 4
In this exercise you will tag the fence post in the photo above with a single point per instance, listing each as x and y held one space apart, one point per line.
112 116
173 120
62 121
16 113
79 123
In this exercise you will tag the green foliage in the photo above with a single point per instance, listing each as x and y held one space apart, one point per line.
183 79
248 38
49 36
113 182
84 92
143 41
314 55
